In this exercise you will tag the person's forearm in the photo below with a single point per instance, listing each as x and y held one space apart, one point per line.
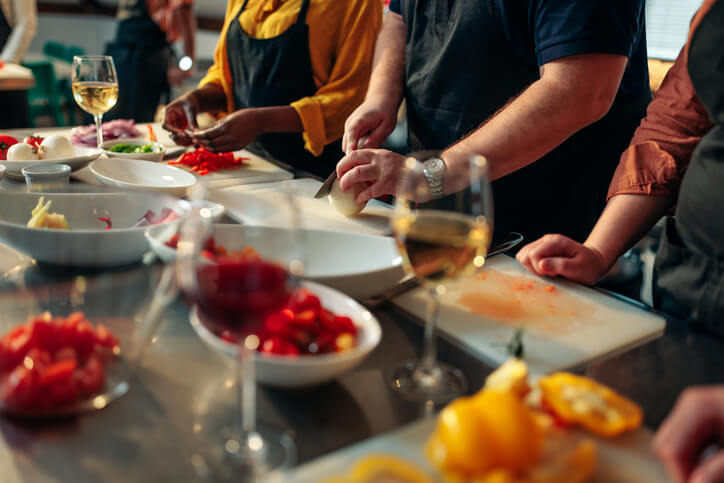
624 221
542 117
278 119
188 31
388 67
210 98
22 34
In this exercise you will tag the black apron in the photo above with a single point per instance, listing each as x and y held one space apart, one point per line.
460 70
690 261
277 72
141 55
4 30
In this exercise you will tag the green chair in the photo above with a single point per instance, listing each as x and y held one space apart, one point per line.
54 49
45 97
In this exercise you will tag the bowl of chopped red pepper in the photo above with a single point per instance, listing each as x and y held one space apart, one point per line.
67 343
316 337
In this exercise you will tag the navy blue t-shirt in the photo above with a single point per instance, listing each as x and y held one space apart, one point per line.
545 30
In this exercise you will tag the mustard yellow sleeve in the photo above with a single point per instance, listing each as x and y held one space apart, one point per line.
219 73
323 114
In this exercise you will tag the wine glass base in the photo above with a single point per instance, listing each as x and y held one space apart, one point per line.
267 452
439 384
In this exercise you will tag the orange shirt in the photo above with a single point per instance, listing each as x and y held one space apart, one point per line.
675 122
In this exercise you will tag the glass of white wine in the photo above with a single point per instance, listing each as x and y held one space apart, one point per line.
441 240
95 86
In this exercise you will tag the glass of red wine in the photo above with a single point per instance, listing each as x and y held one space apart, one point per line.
231 295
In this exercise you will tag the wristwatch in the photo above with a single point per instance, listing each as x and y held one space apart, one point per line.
434 169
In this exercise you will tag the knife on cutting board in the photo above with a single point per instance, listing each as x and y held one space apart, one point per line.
326 186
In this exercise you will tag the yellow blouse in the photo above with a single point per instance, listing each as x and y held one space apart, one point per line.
342 36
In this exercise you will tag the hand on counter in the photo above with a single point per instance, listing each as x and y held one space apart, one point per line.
695 423
378 168
558 255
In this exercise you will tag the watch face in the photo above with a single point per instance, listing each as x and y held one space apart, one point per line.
435 167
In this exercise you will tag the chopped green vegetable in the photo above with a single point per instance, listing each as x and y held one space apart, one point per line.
130 148
515 344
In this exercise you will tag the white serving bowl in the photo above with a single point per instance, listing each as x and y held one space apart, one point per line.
307 370
83 156
359 265
140 175
157 155
87 243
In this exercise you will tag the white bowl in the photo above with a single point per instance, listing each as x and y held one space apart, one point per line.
139 175
83 156
87 243
359 265
307 370
157 155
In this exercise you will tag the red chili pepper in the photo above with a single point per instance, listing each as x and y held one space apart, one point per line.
107 221
204 161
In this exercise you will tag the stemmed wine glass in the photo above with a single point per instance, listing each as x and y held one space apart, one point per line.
230 296
440 240
95 87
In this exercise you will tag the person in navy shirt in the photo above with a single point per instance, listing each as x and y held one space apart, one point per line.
549 91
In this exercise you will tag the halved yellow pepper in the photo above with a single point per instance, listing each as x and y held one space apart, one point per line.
595 407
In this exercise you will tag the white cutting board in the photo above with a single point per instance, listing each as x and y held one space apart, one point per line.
567 327
626 459
266 205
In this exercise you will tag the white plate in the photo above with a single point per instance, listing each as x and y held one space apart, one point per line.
359 265
83 156
87 243
302 371
139 175
156 155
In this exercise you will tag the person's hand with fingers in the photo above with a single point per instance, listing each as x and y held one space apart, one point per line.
231 133
557 255
368 126
180 117
379 169
695 423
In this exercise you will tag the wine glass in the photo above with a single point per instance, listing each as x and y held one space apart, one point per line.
95 87
231 295
440 240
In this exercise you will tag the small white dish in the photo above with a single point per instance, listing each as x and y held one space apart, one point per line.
87 243
83 156
359 265
307 370
156 155
140 175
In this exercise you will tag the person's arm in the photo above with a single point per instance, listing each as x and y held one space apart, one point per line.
26 23
375 118
571 93
626 219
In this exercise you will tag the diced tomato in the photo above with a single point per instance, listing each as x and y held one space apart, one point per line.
60 372
65 353
302 299
84 339
90 379
44 334
39 358
105 338
62 394
306 318
17 345
20 390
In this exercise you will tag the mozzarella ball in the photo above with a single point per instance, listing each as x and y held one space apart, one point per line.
56 146
344 201
22 152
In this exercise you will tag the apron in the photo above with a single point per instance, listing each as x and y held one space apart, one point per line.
141 55
276 72
449 93
4 30
690 262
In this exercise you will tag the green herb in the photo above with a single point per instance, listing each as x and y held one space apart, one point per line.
515 344
130 148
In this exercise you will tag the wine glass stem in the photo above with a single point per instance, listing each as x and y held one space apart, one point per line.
429 349
98 118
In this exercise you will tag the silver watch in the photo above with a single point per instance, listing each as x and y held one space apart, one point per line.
434 170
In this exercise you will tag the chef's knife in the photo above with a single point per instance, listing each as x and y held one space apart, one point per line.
326 186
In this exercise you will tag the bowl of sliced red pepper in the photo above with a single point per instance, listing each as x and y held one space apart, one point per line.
66 345
316 337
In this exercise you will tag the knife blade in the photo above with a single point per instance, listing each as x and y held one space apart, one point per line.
410 282
326 186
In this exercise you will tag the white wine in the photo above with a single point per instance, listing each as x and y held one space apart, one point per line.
95 97
441 246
